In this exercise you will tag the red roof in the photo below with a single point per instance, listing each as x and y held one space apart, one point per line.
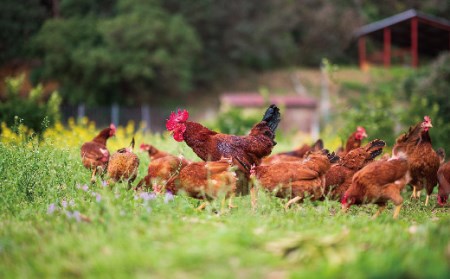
246 99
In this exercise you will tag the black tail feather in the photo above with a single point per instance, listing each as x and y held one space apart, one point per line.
272 117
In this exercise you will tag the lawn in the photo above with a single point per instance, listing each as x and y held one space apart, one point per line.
54 224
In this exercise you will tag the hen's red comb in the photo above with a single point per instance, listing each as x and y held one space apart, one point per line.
144 146
427 118
175 118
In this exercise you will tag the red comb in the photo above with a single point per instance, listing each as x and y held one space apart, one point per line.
175 118
427 118
144 146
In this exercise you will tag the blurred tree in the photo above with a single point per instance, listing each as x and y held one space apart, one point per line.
140 53
36 111
427 91
17 25
240 35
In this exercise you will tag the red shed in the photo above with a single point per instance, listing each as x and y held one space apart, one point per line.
414 34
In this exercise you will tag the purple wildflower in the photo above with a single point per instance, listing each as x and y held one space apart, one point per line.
64 203
104 183
85 187
147 196
51 208
77 216
168 197
98 197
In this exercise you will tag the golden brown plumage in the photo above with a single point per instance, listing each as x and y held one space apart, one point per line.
208 179
94 154
423 160
294 155
353 141
443 175
123 165
153 152
379 182
162 172
296 179
212 146
340 175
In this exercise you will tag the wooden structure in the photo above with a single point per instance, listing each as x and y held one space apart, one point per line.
299 113
419 33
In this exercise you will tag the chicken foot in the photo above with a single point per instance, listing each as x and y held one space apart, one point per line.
427 200
254 197
381 208
397 211
94 172
291 201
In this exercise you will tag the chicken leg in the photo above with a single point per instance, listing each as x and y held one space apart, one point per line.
291 201
381 208
397 211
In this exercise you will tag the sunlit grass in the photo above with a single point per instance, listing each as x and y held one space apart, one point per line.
54 224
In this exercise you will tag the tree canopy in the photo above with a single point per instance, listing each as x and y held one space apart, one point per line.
107 51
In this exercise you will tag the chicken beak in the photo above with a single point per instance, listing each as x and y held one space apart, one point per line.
344 209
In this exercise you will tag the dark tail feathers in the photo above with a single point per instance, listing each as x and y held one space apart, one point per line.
272 117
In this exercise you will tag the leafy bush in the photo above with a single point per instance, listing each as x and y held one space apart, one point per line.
235 121
34 111
427 91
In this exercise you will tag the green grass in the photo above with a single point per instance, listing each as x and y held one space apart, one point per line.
160 238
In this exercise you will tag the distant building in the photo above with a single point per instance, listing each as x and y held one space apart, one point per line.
407 38
299 113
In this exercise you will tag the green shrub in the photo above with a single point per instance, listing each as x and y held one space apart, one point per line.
34 111
235 121
427 91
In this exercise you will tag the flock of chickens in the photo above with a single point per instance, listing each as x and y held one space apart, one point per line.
234 165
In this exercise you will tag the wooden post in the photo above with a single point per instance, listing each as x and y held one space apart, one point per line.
414 42
81 112
362 52
115 114
145 117
387 47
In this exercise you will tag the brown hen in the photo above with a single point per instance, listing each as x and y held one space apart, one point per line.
379 182
162 170
296 179
123 165
340 175
94 154
207 180
423 160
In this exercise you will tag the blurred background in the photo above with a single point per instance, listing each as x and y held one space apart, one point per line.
121 60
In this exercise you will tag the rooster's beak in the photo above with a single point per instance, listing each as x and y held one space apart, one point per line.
344 209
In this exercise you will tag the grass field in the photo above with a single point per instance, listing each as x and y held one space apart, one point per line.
53 224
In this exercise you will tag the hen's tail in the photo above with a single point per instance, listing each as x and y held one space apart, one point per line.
272 117
375 147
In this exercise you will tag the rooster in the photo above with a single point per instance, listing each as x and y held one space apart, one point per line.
294 155
353 141
94 154
423 160
162 170
296 179
340 175
123 165
379 182
212 146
